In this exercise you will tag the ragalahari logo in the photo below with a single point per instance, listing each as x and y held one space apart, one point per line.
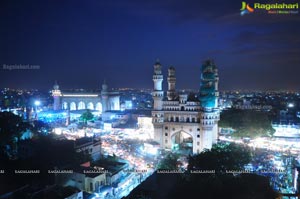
246 9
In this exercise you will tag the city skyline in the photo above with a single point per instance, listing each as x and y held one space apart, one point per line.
80 44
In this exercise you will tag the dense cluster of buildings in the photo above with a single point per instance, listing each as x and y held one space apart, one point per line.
174 120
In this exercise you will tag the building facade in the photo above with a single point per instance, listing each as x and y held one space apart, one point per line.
89 146
183 120
103 101
84 178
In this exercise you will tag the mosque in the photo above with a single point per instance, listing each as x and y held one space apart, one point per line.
103 101
186 121
181 121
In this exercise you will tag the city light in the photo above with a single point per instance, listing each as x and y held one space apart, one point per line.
150 149
80 95
37 103
70 133
96 196
57 131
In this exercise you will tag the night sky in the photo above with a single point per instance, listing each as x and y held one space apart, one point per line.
79 43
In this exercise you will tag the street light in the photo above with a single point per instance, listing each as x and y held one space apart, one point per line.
37 103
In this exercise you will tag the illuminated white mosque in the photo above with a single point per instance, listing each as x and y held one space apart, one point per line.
182 120
103 101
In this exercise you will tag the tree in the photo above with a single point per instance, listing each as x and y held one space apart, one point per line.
220 158
45 153
247 123
49 152
12 128
86 116
246 186
40 126
210 186
169 162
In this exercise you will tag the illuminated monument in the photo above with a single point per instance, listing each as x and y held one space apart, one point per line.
186 121
104 101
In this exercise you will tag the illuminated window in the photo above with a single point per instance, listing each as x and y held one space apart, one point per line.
65 105
81 105
72 106
90 106
99 107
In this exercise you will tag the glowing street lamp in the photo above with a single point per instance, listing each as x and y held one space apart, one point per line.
290 105
37 103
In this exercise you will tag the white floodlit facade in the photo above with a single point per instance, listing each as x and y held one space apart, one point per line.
179 118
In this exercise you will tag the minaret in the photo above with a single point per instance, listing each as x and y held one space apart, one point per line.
171 83
104 96
216 108
158 93
157 113
209 102
216 87
208 85
56 93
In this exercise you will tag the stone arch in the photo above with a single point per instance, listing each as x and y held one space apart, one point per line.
65 105
99 107
90 106
81 105
73 106
182 140
112 106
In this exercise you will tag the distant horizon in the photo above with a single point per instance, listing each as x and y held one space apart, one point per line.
165 90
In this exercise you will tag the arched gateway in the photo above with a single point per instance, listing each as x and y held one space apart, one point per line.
182 141
186 119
